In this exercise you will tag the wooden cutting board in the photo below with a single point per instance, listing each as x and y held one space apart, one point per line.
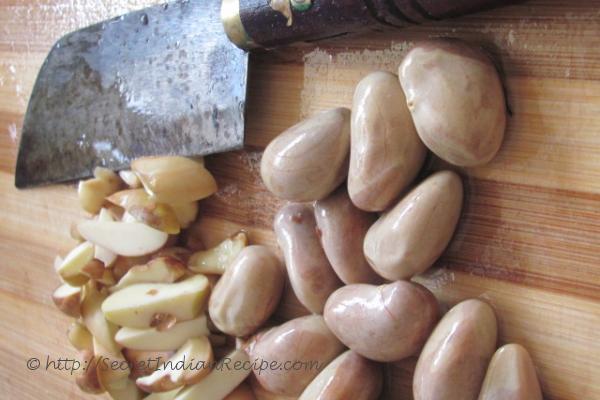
528 242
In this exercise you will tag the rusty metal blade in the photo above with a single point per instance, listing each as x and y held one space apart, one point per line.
163 80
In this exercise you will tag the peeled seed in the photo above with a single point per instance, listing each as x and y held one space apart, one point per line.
70 270
173 179
220 382
218 258
106 256
197 351
80 337
130 179
143 208
155 340
158 270
124 238
136 305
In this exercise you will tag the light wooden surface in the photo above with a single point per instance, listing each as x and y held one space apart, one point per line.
529 240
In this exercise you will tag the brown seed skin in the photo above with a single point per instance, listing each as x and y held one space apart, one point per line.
342 229
349 376
409 238
310 159
248 292
310 273
306 339
385 151
511 376
383 323
453 362
456 100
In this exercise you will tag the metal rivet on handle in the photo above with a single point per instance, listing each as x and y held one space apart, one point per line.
301 5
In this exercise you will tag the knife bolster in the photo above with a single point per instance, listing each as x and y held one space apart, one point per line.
232 24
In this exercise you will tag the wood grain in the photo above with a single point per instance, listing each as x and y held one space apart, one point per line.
529 239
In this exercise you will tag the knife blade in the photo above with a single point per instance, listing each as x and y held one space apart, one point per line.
162 80
168 80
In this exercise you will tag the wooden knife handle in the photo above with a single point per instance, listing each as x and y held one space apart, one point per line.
271 23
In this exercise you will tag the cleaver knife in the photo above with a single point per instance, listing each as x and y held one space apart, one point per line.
171 79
